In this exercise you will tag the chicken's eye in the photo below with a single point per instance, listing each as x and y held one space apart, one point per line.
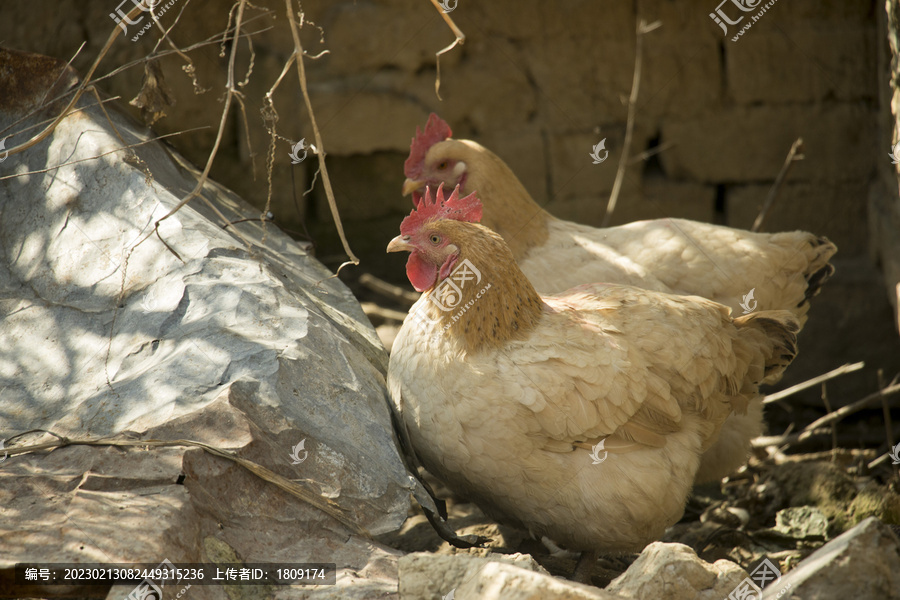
442 165
435 239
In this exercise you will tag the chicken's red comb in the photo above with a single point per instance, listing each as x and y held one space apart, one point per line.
459 209
436 130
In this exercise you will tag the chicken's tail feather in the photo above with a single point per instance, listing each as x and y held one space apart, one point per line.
819 270
775 334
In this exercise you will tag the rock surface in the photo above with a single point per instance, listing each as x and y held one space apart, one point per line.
240 342
675 572
863 562
465 577
497 580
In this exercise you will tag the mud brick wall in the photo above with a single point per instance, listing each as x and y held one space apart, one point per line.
884 201
540 83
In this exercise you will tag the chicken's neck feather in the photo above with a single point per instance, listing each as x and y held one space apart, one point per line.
501 306
508 207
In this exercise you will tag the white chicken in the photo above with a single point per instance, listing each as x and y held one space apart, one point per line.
780 270
505 393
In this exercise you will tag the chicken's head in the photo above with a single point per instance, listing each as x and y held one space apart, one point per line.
432 255
434 158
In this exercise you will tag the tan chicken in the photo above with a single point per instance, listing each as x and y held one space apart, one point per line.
579 416
741 269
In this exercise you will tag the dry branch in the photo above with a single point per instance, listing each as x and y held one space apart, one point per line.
81 160
881 459
380 313
764 441
82 87
230 92
846 439
842 370
821 426
794 154
460 40
387 289
641 29
845 411
320 148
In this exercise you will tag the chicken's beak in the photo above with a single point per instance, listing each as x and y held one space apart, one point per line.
411 185
400 244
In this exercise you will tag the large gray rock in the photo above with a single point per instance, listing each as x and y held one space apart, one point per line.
242 343
862 563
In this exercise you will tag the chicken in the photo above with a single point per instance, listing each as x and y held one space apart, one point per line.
743 270
667 255
579 416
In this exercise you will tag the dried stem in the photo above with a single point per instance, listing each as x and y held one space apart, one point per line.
326 181
822 425
230 92
787 438
886 411
384 288
794 154
842 370
844 411
641 29
78 91
459 41
80 160
384 314
828 411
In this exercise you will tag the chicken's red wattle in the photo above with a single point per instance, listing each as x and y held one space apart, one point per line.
421 274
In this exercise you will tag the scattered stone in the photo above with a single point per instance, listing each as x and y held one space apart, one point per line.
427 575
675 572
802 522
466 577
510 582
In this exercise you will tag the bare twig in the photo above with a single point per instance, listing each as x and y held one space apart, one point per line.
326 505
886 411
270 121
384 288
187 68
844 411
80 160
842 370
230 92
882 459
78 91
380 313
845 439
641 29
320 153
787 438
650 152
822 425
794 154
828 411
459 41
838 455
